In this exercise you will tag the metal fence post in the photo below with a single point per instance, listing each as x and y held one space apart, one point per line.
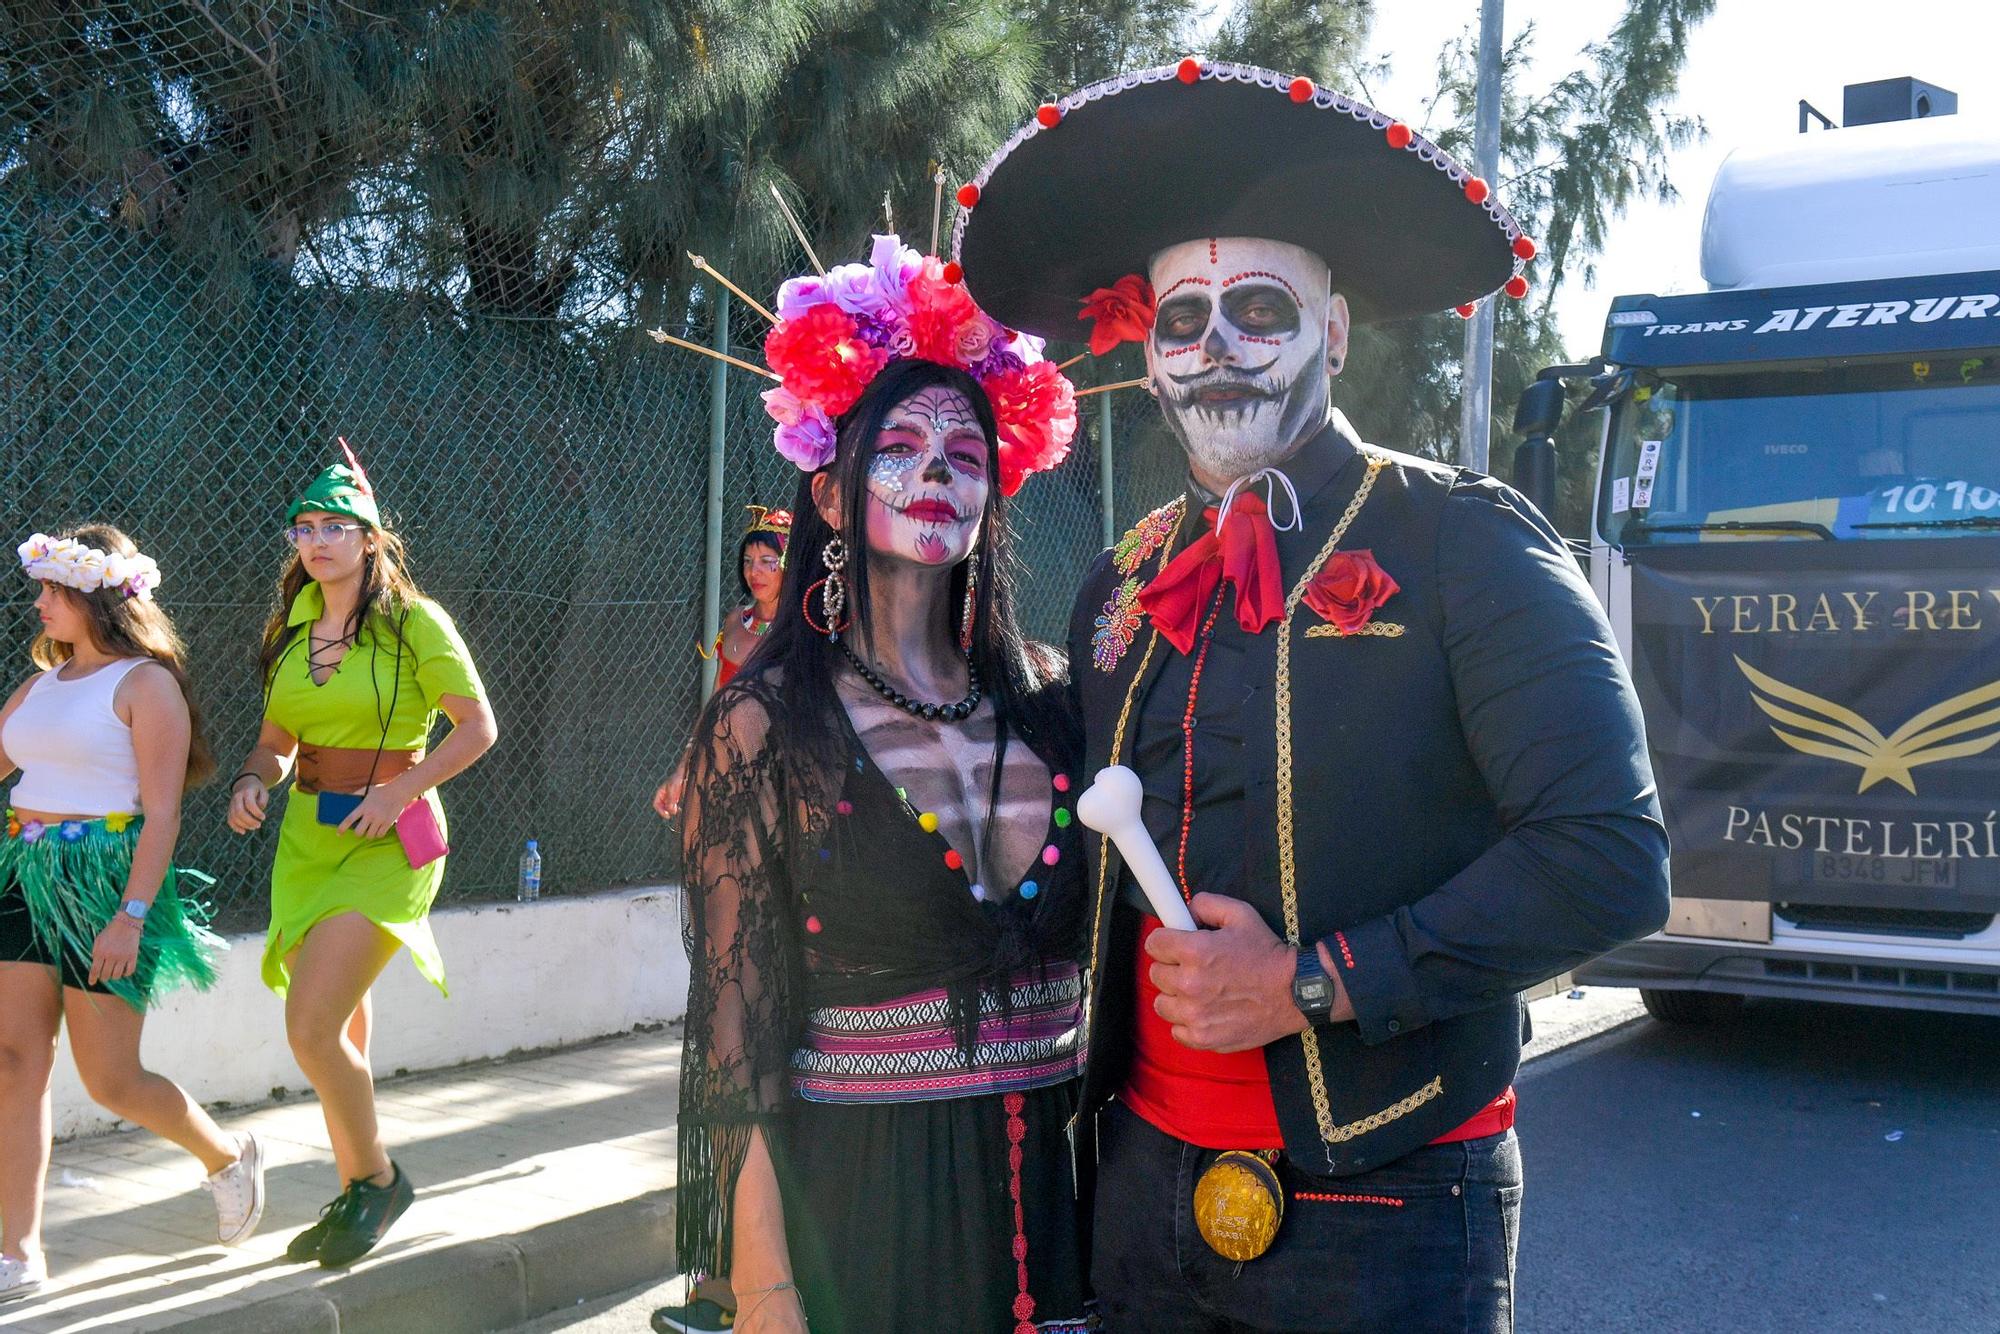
718 435
1475 418
1109 496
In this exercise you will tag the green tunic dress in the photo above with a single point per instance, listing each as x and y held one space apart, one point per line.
377 695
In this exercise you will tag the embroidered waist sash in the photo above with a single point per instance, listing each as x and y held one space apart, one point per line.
904 1050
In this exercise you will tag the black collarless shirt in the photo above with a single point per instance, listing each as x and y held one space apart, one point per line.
1223 711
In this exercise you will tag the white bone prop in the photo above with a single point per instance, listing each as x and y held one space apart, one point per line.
1111 806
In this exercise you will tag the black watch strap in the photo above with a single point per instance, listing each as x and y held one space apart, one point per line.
1312 989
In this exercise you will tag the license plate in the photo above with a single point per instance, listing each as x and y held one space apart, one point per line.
1888 872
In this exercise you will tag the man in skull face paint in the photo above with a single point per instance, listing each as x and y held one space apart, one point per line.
1386 745
1240 349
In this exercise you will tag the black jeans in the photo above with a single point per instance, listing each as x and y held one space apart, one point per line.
1423 1244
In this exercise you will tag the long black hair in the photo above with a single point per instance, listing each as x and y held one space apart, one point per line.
1018 675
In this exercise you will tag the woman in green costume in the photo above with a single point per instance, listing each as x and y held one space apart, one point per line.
93 923
356 665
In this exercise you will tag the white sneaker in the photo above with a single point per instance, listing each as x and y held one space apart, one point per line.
21 1278
239 1194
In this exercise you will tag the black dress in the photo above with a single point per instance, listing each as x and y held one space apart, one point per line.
908 1042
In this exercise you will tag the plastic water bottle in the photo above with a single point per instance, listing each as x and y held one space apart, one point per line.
531 873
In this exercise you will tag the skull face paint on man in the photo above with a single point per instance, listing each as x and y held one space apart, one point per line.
1239 349
927 482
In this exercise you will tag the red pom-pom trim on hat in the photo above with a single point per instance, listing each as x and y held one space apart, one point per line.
1517 287
953 272
1049 115
1302 89
1467 311
1525 247
968 195
1476 189
1398 134
1189 70
953 860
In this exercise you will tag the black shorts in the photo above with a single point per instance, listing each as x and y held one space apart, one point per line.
19 944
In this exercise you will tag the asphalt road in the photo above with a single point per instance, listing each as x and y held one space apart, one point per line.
1810 1168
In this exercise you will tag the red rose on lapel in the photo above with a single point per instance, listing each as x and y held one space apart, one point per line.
1349 589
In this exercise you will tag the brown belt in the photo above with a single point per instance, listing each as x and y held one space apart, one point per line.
338 769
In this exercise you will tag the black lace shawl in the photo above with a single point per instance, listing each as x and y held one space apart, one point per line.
755 831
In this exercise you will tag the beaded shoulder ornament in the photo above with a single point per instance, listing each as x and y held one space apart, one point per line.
1118 624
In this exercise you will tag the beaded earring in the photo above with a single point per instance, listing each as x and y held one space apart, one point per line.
971 611
832 589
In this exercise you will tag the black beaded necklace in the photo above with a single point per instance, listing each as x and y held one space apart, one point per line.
917 708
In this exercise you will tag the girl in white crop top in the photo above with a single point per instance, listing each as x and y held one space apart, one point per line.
92 921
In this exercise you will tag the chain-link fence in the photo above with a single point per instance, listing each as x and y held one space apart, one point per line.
230 232
552 487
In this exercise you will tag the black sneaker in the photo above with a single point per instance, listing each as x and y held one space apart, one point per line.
696 1317
353 1230
305 1247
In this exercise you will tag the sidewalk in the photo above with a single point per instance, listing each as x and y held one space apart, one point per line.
540 1181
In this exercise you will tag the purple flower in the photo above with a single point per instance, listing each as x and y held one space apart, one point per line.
996 362
32 831
1027 347
799 295
809 441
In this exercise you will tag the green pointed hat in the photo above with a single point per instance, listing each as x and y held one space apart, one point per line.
342 489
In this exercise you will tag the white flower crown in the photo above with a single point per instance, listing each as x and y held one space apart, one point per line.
66 561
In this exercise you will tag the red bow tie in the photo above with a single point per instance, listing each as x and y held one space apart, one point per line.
1244 554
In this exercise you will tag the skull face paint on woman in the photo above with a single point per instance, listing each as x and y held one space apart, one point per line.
1240 347
927 482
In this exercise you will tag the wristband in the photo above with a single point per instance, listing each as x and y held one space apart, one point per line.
247 773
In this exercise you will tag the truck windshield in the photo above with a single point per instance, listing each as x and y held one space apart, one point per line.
1897 450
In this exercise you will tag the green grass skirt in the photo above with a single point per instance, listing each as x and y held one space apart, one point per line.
73 876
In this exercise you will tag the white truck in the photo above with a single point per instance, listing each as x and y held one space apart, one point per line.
1796 537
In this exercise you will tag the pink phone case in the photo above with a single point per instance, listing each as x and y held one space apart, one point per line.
417 827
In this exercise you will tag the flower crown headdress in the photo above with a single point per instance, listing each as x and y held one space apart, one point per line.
66 561
835 330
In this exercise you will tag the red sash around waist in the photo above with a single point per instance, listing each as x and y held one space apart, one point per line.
1222 1100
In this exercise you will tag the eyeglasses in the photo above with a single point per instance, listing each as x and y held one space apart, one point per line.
334 533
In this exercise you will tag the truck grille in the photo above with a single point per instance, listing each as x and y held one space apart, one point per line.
1886 921
1886 977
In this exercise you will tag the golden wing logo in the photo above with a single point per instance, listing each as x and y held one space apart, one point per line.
1962 725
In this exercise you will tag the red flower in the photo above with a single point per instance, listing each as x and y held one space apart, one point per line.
1036 411
822 360
938 310
1349 589
1123 311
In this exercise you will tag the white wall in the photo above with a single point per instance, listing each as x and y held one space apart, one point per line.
522 975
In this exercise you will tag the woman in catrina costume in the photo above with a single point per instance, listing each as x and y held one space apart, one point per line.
760 571
356 665
93 925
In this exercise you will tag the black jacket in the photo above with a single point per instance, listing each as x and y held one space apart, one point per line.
1472 806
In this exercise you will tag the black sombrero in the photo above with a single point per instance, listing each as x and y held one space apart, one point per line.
1096 184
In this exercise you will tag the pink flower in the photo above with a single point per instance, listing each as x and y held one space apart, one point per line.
820 359
977 337
783 405
1036 411
938 310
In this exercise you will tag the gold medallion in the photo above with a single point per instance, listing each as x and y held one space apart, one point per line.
1238 1205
